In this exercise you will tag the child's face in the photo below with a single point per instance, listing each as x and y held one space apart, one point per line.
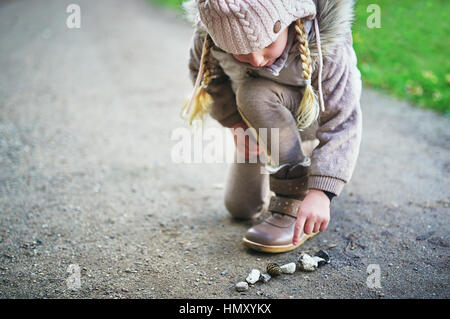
266 56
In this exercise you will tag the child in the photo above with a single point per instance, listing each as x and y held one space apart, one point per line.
256 63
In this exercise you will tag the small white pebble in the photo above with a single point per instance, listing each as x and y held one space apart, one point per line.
241 286
307 263
253 276
288 268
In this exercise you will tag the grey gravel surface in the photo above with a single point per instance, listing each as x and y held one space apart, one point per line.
86 177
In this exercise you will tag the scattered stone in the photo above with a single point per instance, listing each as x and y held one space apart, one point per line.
307 263
241 286
439 241
130 271
274 269
288 268
352 243
253 276
320 261
265 277
425 236
223 273
324 255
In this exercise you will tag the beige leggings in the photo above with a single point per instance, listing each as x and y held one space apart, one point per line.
266 104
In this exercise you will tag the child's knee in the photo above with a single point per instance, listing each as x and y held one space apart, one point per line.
242 208
255 94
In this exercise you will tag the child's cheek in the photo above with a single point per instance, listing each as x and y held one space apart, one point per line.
275 51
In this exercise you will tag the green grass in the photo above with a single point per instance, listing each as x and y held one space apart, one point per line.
408 56
176 4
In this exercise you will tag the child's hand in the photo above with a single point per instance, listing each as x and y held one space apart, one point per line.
313 215
250 148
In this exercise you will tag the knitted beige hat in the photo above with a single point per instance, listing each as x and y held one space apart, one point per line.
244 26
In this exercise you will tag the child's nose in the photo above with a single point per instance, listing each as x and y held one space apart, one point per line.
256 60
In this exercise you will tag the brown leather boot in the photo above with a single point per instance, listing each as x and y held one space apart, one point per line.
274 234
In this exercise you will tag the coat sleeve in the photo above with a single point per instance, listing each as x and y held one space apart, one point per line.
340 126
224 108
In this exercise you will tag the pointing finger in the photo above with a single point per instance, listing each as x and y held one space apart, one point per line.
298 230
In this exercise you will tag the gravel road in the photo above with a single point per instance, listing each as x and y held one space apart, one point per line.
86 177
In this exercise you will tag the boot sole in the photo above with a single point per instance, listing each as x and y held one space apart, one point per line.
275 249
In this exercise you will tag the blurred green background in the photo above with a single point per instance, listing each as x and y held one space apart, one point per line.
408 56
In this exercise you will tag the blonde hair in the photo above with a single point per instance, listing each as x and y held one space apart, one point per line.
308 110
200 102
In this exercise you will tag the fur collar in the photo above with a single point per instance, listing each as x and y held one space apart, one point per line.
335 19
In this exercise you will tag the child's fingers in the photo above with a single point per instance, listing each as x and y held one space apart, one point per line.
324 226
298 229
316 227
309 225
